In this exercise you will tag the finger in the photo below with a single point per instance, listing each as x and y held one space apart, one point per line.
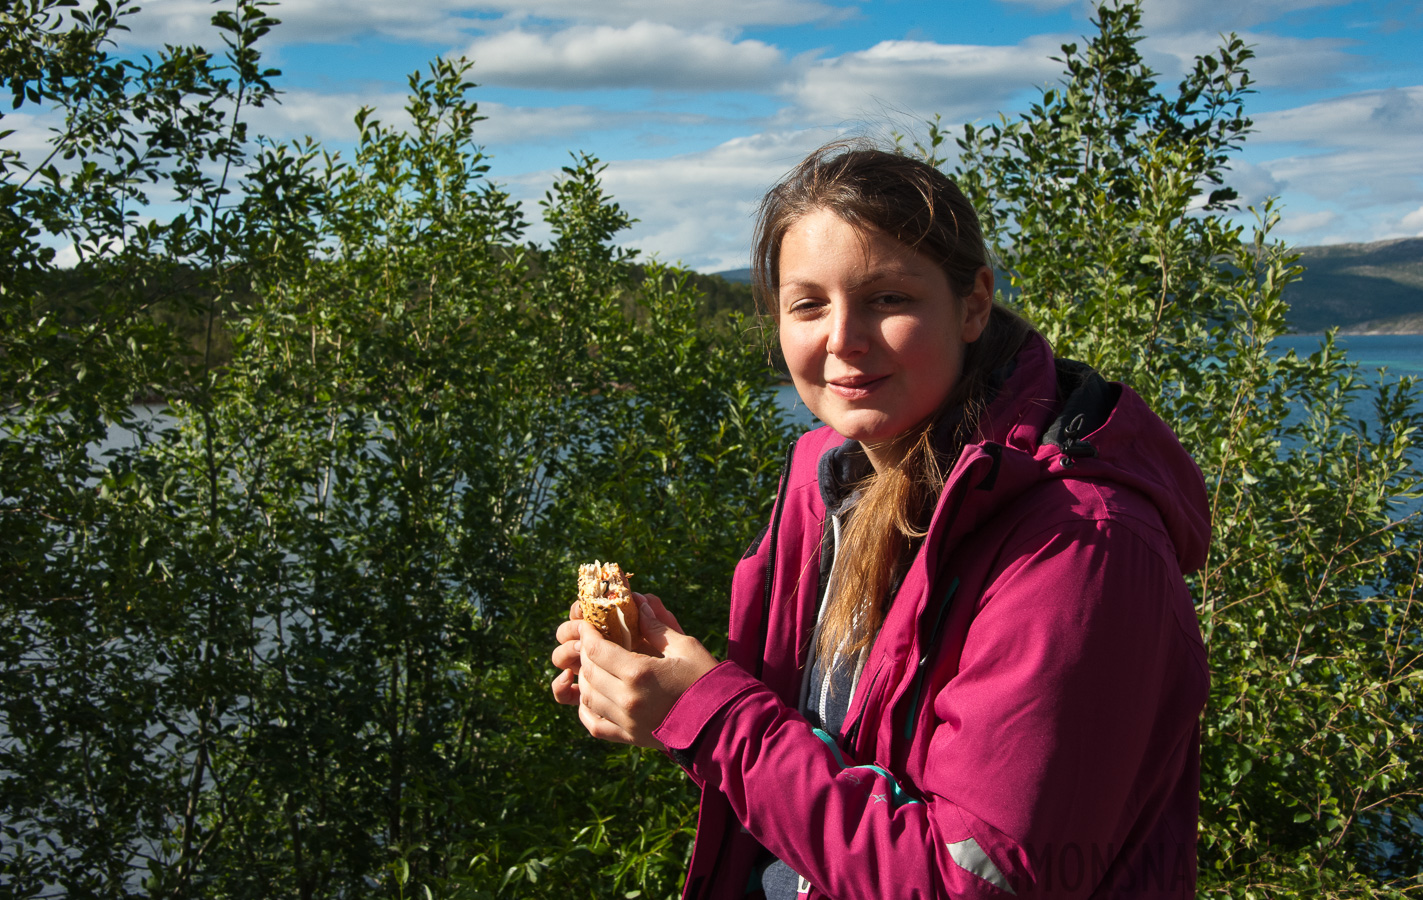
576 611
566 656
567 631
565 688
599 727
660 609
654 630
615 681
616 663
588 636
604 668
612 721
592 643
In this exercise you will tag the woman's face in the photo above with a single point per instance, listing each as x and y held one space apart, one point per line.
871 331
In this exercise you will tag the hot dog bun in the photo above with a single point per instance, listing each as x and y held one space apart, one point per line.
606 601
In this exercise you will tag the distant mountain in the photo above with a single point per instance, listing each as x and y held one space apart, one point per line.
1411 324
1359 288
1374 287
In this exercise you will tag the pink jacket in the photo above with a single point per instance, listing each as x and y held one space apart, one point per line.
1027 721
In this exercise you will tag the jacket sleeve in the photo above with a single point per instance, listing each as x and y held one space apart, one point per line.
1072 712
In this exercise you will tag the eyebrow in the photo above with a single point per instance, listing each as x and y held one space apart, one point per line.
868 278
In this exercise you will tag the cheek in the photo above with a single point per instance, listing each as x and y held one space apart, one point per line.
919 341
933 357
797 348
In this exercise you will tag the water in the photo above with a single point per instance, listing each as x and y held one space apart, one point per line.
796 411
156 417
1395 354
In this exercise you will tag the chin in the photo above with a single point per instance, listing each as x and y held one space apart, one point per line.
870 432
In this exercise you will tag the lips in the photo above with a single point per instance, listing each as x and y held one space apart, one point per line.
855 387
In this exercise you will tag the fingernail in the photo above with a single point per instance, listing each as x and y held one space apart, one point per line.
577 646
647 609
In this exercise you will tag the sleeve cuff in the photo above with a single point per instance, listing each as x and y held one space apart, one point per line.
681 731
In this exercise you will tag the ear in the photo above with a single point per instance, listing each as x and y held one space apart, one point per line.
978 305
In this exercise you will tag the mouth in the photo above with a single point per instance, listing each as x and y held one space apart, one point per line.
855 387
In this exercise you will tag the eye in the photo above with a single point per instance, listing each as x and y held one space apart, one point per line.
804 306
890 299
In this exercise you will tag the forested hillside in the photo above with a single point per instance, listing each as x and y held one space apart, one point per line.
1359 287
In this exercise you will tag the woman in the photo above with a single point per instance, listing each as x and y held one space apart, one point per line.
963 661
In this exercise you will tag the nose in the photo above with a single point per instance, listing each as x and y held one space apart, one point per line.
847 338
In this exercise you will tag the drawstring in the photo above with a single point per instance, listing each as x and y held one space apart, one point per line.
1074 449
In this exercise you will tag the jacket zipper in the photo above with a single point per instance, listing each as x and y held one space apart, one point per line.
987 483
922 670
852 735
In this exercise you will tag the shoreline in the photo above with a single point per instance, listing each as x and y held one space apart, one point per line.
1341 332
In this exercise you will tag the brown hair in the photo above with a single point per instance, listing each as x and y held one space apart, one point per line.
880 191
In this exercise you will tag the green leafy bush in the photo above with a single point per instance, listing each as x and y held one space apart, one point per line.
1108 212
292 639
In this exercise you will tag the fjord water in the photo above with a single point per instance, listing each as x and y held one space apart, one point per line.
1398 354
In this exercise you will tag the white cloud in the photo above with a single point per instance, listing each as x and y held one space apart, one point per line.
442 21
1252 182
1290 62
1347 155
1362 148
1163 15
1307 222
1347 168
1044 5
645 54
31 134
919 78
318 21
67 257
682 13
524 125
511 128
695 208
323 116
1392 117
1353 178
1413 222
331 118
1177 31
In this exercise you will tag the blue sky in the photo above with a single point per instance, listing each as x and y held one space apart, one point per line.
698 105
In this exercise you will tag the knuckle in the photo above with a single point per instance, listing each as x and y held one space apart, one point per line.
635 705
641 675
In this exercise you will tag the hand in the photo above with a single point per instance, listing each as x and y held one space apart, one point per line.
623 696
565 657
566 654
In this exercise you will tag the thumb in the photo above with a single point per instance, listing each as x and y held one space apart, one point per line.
654 630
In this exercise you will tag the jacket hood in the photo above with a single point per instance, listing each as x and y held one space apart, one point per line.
1058 419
